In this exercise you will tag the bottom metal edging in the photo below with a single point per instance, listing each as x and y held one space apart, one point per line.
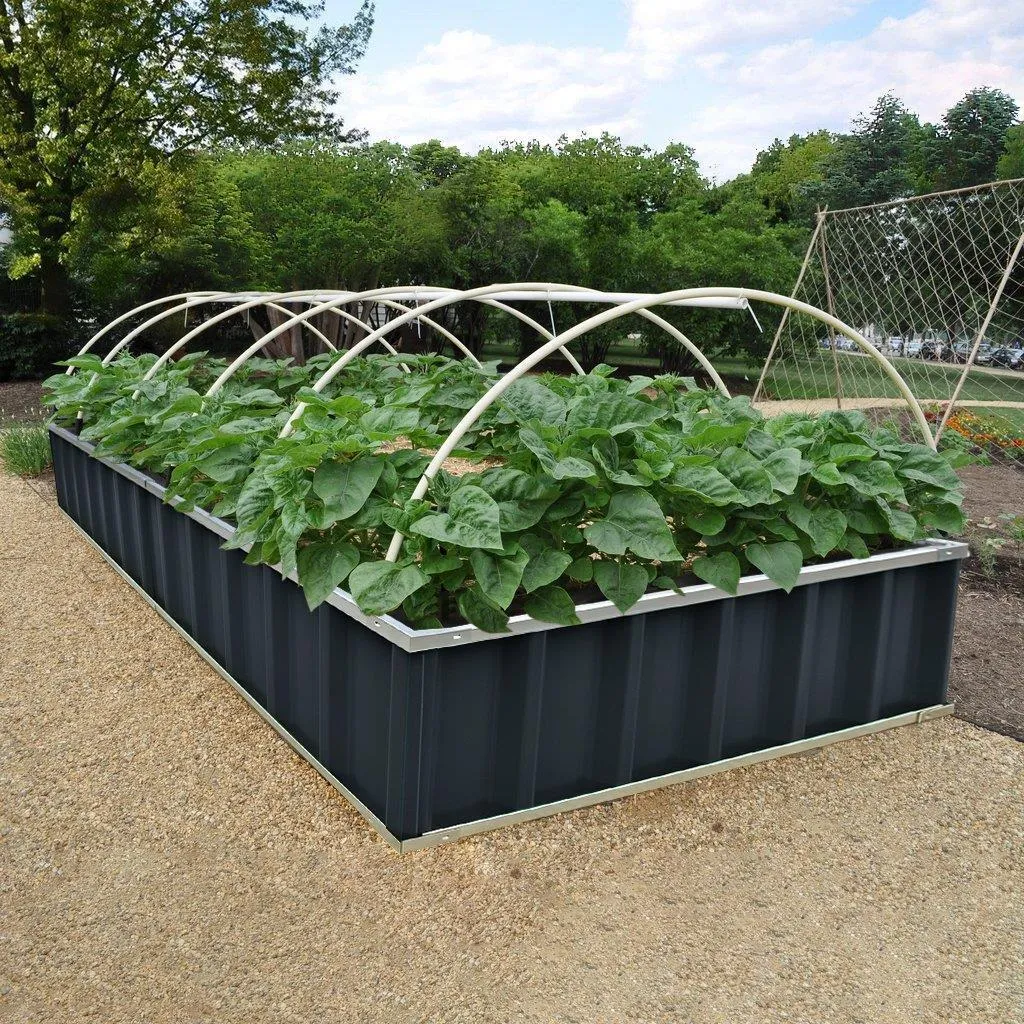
600 796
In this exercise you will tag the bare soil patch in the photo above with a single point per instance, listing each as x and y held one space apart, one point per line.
21 401
987 676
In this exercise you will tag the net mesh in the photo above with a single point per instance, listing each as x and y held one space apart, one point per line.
936 283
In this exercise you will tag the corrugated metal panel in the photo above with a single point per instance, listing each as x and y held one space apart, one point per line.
434 739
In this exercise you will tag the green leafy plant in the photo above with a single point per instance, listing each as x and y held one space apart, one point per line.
575 488
25 449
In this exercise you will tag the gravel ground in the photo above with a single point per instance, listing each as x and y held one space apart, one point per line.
164 857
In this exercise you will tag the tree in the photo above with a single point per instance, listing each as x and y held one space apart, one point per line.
1011 163
93 90
782 171
878 161
968 143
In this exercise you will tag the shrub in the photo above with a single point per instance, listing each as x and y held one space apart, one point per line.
25 449
30 343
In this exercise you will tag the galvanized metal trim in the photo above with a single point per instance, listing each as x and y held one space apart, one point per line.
446 835
415 641
297 746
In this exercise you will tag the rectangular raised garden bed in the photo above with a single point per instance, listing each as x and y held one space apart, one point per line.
436 734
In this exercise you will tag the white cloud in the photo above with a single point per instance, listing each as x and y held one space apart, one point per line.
666 30
725 76
929 59
469 89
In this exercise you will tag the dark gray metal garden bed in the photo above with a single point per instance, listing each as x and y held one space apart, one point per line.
439 733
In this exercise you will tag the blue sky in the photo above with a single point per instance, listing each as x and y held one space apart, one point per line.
724 76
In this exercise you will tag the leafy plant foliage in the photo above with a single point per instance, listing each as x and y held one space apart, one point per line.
580 486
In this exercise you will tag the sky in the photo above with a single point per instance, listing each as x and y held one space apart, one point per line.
723 76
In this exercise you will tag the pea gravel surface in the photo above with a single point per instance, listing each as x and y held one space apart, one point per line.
165 857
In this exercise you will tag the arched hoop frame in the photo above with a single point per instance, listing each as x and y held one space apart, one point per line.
531 291
332 305
107 328
609 315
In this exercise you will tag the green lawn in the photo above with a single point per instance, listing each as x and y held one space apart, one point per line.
814 378
864 378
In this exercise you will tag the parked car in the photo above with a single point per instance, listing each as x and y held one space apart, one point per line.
1011 358
894 344
933 350
912 349
985 352
961 351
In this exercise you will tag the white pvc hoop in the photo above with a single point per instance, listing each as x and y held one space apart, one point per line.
500 386
487 291
103 331
267 300
339 299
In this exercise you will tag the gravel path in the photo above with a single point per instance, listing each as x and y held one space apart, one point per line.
165 858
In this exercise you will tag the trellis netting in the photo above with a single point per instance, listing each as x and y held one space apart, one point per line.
936 283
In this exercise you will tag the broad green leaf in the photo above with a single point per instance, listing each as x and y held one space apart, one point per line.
552 604
323 565
780 562
380 587
865 520
746 474
634 522
707 522
582 570
472 521
615 413
499 577
527 399
927 467
623 584
902 525
571 468
840 454
944 517
545 567
707 433
854 544
344 486
825 526
721 570
873 479
434 562
389 420
783 466
481 612
827 473
705 482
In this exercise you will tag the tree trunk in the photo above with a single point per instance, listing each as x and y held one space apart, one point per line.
55 283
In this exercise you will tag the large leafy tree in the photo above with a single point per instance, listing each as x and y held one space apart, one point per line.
881 159
968 144
1011 163
92 90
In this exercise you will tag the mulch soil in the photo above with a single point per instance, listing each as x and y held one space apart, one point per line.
987 677
21 401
